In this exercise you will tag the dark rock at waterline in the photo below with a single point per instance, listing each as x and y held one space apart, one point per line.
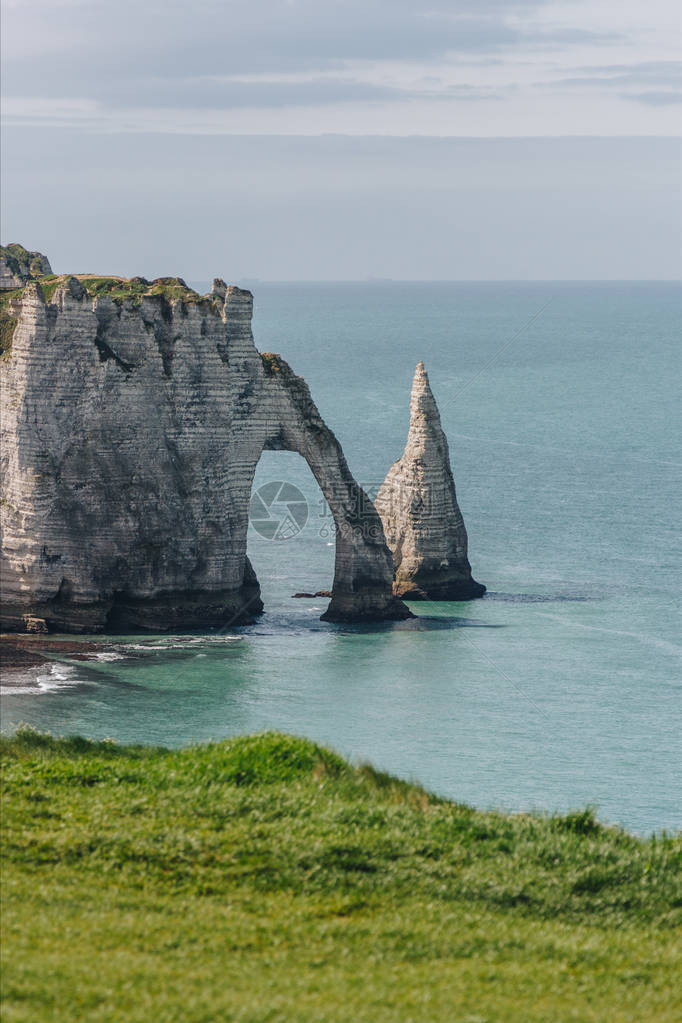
18 652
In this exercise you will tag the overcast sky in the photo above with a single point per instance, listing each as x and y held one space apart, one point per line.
138 113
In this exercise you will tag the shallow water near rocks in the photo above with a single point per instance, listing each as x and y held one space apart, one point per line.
562 686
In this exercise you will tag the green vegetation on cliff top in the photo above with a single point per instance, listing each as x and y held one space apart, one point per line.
23 262
264 878
119 289
275 365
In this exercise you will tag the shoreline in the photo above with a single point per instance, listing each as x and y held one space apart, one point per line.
19 651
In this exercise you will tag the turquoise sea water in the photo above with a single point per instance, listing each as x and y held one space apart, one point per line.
562 686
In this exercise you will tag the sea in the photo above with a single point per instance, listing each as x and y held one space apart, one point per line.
560 688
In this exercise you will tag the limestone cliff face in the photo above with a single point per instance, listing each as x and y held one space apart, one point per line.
131 430
418 507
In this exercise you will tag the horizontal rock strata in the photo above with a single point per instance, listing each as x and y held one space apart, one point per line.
418 507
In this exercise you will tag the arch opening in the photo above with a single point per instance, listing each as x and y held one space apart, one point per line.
291 538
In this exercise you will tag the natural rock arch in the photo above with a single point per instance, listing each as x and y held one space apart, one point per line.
363 568
132 426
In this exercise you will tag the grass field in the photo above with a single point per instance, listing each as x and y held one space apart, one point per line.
265 879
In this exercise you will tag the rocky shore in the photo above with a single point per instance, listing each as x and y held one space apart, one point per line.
18 652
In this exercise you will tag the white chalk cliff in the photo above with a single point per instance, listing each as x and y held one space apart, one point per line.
418 507
132 424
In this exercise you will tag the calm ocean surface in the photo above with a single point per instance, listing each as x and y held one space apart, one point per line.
562 686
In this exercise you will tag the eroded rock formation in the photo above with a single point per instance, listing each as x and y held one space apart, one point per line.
133 417
418 507
18 265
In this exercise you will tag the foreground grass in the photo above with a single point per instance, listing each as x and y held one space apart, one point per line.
264 879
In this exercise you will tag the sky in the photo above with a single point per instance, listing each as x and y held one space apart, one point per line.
344 139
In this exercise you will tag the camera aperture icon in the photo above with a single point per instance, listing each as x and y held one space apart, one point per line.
278 510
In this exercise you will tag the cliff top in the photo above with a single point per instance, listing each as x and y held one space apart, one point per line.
24 263
119 289
19 265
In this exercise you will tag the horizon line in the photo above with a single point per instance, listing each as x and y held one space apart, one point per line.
151 130
446 280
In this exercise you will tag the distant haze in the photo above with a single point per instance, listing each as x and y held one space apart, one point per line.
344 139
345 208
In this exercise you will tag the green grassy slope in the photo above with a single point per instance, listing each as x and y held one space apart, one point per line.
264 879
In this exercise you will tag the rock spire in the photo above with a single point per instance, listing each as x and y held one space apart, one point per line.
418 507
